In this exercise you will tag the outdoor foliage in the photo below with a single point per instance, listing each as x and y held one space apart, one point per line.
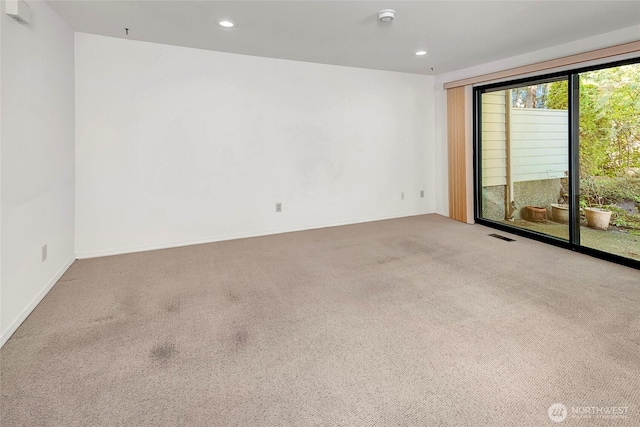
609 119
534 96
609 191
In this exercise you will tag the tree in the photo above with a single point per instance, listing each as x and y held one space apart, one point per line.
618 104
609 119
534 96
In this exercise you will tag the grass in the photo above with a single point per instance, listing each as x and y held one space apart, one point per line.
622 218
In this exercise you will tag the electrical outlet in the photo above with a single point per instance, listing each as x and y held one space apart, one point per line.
44 253
278 207
401 196
422 194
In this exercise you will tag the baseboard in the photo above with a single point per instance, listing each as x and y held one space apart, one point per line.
27 311
87 255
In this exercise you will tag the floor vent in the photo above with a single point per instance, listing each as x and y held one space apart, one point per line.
506 239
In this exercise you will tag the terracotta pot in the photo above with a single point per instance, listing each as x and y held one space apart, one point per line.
535 213
597 218
560 213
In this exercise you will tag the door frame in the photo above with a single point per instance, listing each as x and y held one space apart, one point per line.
572 77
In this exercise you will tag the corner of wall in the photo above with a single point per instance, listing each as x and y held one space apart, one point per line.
37 202
6 334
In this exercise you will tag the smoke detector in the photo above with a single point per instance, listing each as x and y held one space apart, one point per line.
386 15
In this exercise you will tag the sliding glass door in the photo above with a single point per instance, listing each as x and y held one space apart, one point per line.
525 158
610 159
558 158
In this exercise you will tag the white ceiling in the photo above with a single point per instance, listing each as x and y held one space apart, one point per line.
457 34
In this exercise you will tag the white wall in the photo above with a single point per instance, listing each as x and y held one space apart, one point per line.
2 336
177 145
584 45
37 163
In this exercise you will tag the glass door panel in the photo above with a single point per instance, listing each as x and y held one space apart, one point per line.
524 158
610 160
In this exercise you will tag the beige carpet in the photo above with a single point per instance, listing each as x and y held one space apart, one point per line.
419 321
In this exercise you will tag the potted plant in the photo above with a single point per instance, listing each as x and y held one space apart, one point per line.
597 216
535 213
560 212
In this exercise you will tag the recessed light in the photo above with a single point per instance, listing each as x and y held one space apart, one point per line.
421 53
226 24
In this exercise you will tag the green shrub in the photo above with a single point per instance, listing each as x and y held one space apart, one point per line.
622 218
609 190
